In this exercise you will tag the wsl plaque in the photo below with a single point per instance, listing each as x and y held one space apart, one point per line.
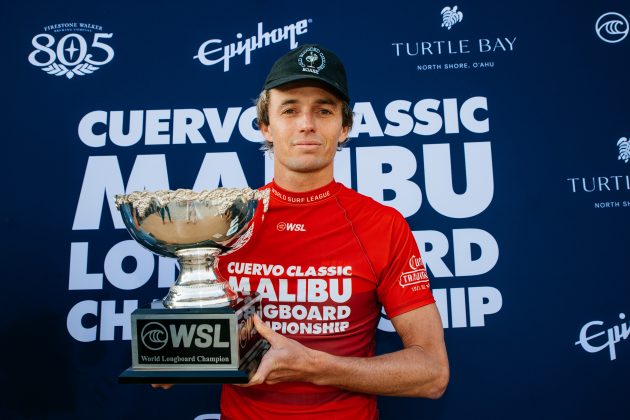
202 331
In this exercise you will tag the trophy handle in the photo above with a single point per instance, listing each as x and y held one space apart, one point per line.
198 285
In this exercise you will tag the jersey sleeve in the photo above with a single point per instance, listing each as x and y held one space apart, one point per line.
403 283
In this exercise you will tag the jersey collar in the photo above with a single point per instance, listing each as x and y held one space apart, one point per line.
307 197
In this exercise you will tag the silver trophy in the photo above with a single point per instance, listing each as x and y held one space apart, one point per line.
202 331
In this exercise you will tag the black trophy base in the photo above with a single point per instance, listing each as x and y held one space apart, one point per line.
142 376
195 345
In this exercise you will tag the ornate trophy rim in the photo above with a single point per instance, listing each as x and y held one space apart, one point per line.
142 200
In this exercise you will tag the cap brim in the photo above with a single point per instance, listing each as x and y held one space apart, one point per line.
298 77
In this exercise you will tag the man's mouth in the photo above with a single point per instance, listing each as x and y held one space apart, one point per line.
307 143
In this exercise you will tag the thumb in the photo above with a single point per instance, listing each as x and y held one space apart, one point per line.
266 332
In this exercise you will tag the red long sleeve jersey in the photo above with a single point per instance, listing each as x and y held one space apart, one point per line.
324 261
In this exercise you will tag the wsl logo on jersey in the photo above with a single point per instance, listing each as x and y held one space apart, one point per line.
290 227
71 49
417 277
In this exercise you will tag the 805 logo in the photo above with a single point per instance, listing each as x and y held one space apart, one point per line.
71 54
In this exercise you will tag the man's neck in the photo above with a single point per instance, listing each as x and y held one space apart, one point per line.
301 182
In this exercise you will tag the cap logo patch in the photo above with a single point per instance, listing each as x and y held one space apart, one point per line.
312 60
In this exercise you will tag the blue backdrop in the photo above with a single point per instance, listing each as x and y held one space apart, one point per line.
499 130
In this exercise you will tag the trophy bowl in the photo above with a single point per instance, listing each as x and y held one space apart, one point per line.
195 228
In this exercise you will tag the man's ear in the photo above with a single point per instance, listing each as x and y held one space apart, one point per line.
264 129
343 136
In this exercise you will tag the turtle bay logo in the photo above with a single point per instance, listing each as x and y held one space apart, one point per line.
450 17
454 54
614 186
611 27
624 149
71 49
154 336
312 60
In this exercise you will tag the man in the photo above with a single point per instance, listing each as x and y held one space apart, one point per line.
325 260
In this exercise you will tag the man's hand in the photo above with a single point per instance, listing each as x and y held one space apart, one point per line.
286 360
163 386
420 369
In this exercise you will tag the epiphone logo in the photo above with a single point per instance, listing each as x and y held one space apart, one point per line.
595 338
209 56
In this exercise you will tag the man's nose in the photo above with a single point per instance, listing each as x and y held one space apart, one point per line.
307 122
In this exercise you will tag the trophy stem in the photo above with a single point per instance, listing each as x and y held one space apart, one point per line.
198 284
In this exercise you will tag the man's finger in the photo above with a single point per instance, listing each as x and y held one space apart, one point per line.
261 373
266 332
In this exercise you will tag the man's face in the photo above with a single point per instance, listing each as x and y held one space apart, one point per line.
305 126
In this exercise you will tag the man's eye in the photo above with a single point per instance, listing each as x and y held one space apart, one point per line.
325 111
288 111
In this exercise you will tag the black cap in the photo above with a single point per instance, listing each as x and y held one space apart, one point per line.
309 62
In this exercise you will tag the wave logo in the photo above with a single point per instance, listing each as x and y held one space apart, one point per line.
81 50
154 336
450 17
611 27
624 149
